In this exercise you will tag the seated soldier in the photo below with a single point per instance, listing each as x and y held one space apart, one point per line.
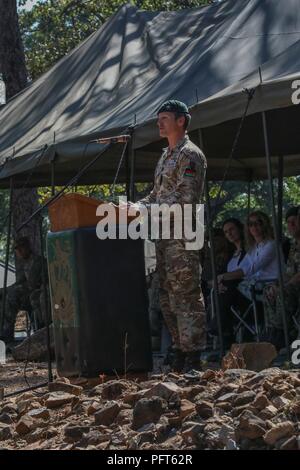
26 293
272 303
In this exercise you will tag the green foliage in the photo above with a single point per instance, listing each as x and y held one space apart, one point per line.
52 28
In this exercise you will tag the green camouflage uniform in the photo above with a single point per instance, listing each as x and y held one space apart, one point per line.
272 307
25 294
179 179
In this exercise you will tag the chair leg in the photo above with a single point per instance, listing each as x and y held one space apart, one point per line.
242 320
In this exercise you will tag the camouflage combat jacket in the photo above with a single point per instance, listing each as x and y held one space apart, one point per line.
179 175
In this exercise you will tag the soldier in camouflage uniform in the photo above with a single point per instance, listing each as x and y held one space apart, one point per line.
272 303
26 293
179 179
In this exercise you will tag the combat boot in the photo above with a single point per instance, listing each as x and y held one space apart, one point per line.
178 360
192 361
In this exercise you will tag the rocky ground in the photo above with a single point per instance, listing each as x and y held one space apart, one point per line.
214 409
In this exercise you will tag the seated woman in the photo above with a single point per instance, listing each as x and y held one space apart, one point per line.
228 281
259 264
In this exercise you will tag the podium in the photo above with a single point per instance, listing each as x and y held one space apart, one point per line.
99 300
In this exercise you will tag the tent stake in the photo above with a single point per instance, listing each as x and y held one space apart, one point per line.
9 224
275 223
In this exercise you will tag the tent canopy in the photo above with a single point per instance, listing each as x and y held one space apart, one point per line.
120 75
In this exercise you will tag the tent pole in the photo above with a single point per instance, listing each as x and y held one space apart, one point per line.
275 223
213 266
280 196
8 237
52 178
46 303
213 255
249 198
127 173
132 170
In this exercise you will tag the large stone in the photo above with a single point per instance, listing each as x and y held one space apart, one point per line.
289 444
34 348
24 425
205 409
75 433
268 412
107 414
6 418
244 398
113 389
226 434
165 390
148 410
39 413
253 356
295 408
228 397
65 387
192 432
186 408
57 399
280 402
250 427
279 431
5 432
261 401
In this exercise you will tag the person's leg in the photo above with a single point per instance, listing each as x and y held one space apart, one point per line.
182 268
164 299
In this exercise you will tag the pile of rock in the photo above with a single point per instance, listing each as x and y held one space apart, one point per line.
232 409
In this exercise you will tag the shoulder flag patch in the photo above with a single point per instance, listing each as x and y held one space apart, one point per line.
190 170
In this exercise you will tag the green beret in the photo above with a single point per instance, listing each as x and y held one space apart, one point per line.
173 106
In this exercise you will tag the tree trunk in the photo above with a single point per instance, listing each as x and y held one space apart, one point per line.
13 68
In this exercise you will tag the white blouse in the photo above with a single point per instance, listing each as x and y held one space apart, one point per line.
261 261
234 265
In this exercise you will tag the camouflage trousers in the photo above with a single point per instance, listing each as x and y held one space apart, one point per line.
19 298
273 307
181 298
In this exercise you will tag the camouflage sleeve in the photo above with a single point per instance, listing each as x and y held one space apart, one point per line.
190 179
148 200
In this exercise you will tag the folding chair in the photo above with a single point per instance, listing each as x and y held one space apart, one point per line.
252 319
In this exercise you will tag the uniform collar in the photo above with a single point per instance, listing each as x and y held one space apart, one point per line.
179 144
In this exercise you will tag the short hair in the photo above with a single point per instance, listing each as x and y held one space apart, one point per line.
187 119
